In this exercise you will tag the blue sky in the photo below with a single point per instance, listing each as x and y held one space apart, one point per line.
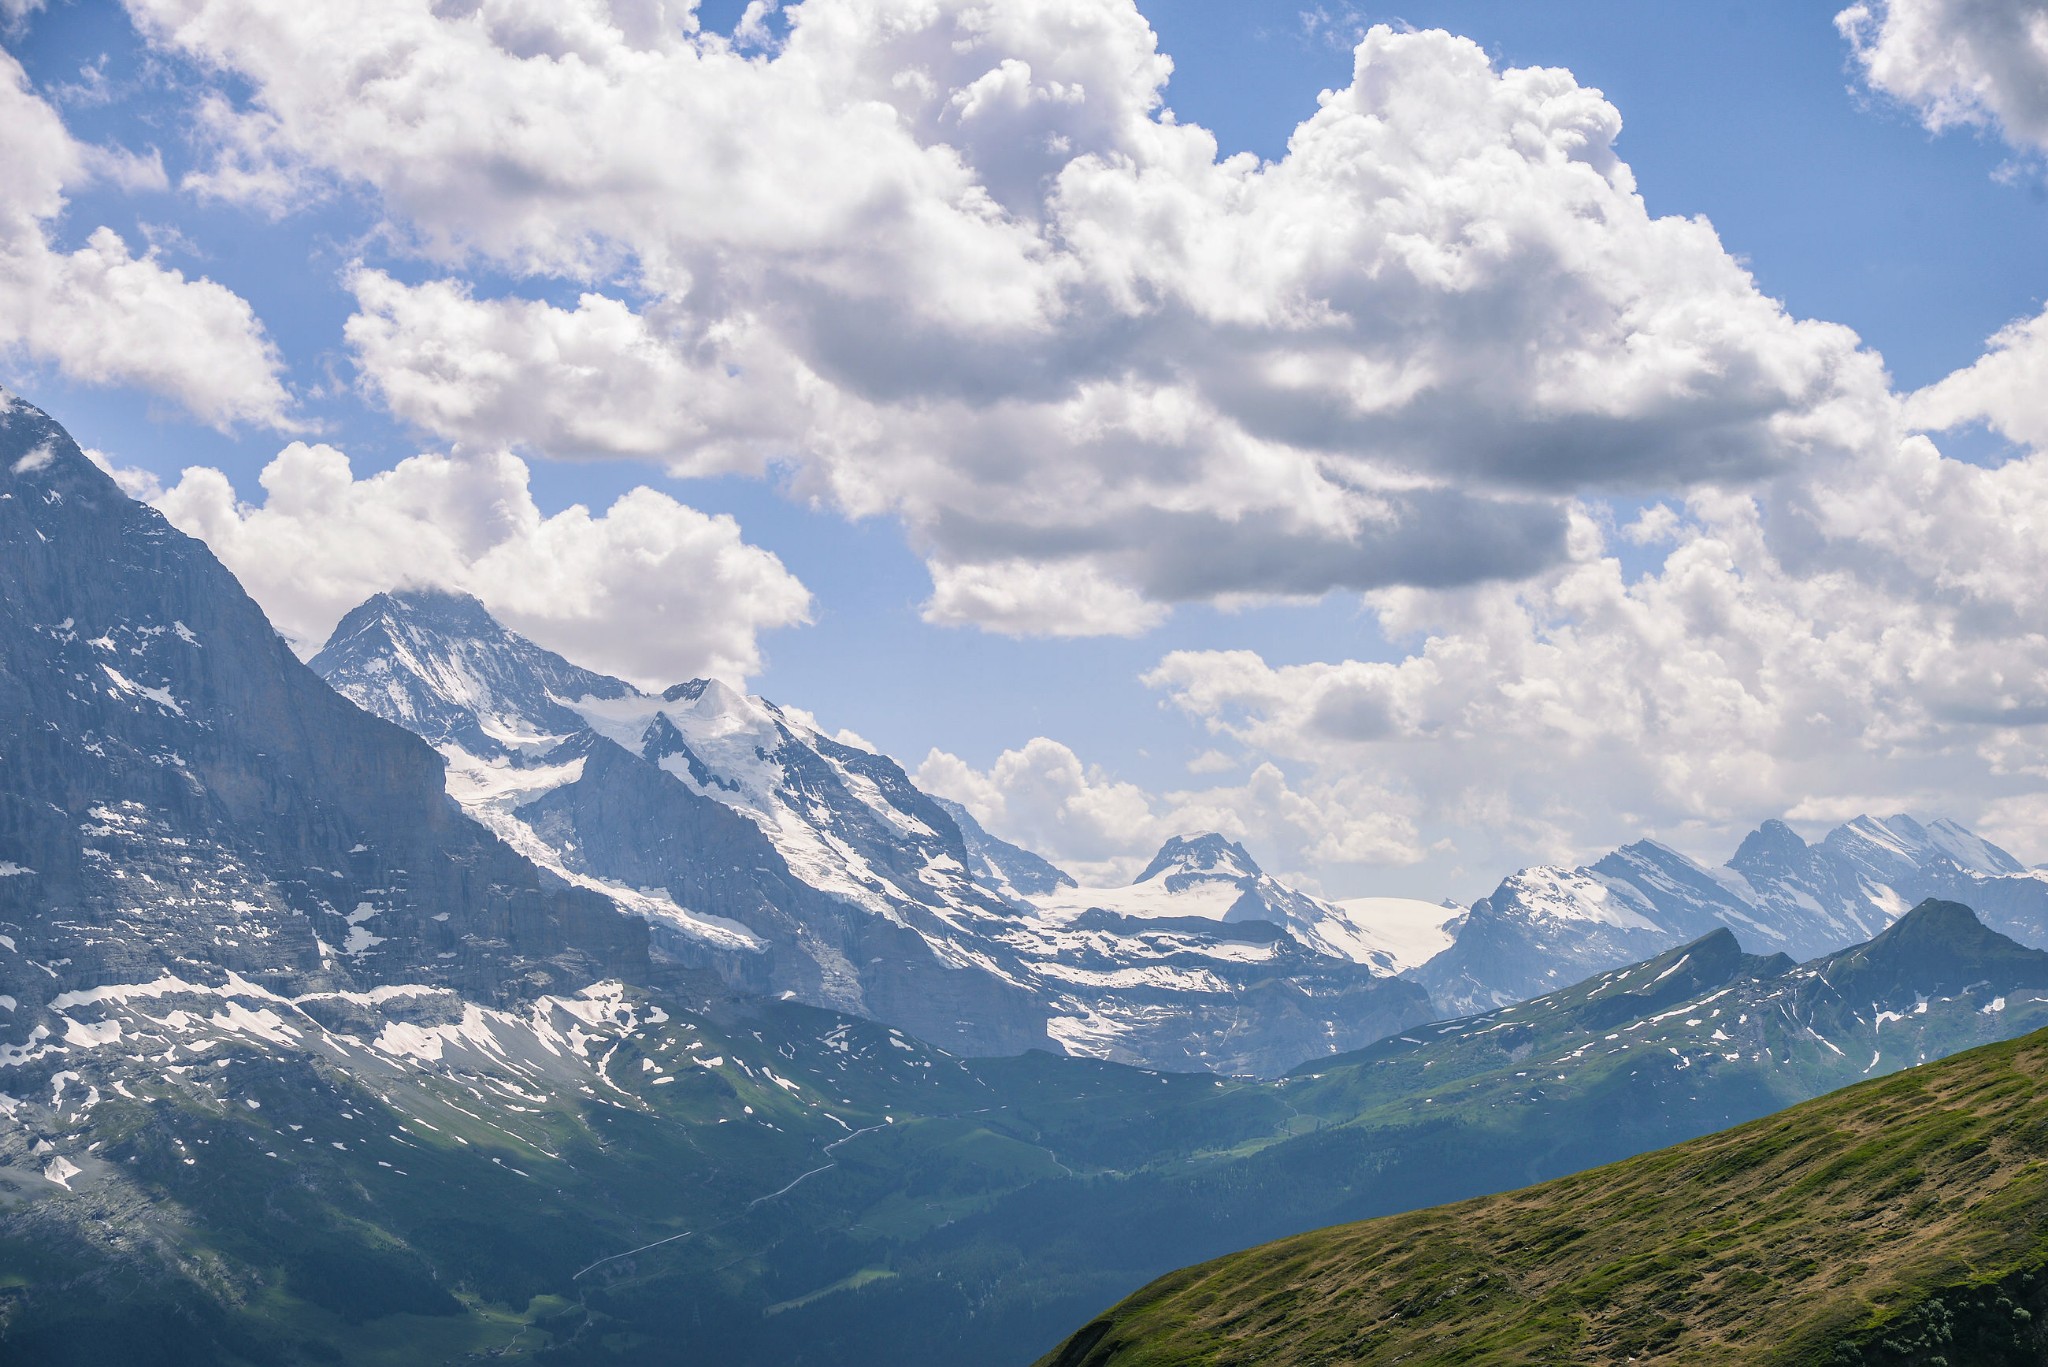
1853 195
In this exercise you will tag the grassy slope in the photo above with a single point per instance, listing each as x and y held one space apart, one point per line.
1812 1236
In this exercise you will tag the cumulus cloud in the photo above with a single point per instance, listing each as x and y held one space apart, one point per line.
956 263
1104 829
1874 630
650 590
2002 389
101 314
1958 63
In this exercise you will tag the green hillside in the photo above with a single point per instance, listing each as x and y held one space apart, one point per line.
1903 1220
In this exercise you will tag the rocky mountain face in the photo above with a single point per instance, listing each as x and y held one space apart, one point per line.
789 861
996 864
1544 927
180 796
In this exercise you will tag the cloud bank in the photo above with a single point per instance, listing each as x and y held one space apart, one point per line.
958 264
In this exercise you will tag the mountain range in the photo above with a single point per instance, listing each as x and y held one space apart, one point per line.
787 861
1547 926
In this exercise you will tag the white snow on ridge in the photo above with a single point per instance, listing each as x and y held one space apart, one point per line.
1401 932
490 791
1968 849
1386 934
1209 899
735 737
360 939
1575 895
485 1032
160 696
479 783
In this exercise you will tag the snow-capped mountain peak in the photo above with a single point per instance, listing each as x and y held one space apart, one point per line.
1209 877
1208 855
1897 843
1544 926
440 665
788 860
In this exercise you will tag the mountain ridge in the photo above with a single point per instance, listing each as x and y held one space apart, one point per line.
784 859
176 781
1544 926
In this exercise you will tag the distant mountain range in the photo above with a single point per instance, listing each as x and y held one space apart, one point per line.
1545 927
787 861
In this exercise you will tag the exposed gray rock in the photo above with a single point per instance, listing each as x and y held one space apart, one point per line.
180 795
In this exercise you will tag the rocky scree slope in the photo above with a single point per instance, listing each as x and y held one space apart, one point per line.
792 861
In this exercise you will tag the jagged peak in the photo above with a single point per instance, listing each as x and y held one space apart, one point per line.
420 610
1205 852
1770 845
1902 837
36 451
713 696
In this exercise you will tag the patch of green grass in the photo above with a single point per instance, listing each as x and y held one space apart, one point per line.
867 1276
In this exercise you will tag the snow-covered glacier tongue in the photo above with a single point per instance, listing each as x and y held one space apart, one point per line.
790 861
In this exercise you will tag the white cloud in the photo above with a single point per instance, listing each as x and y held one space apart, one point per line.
1103 829
650 590
951 262
1023 597
2003 389
1870 634
100 314
1958 63
1042 796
